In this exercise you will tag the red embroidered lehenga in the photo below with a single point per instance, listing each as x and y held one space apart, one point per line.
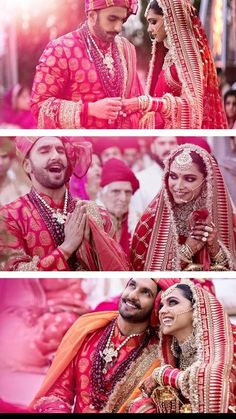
208 382
182 74
163 227
71 73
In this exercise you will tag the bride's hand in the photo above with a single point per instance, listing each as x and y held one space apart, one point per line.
148 386
130 105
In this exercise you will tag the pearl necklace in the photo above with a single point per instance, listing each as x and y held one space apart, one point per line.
107 58
59 217
110 351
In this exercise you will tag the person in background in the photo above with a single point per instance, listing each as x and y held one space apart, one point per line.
144 148
224 85
47 229
118 184
15 109
10 187
230 107
131 153
107 148
150 179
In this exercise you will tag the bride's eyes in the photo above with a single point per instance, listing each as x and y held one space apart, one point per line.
173 176
173 302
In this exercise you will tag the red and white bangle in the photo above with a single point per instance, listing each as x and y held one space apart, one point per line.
170 377
157 105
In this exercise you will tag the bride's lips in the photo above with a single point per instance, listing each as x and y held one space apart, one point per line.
167 320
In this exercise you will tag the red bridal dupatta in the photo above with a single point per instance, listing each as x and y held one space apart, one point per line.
209 383
199 105
211 379
156 242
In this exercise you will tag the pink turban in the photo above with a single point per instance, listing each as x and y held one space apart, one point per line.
100 144
131 5
200 141
115 170
79 152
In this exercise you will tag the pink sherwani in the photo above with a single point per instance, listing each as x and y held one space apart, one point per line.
74 384
66 78
26 243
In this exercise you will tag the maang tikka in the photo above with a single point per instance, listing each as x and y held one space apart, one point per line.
183 161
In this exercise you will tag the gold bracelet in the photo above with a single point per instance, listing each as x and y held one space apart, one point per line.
220 257
149 107
186 253
145 103
218 267
194 267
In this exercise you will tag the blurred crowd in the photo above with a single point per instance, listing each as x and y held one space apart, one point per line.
228 94
15 108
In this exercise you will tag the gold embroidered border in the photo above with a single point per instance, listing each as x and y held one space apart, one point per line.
93 211
132 378
69 114
29 266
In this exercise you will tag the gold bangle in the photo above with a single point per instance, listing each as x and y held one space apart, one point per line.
220 257
149 107
186 253
218 267
194 267
145 103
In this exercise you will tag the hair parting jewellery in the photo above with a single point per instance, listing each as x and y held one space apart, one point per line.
111 352
59 217
183 161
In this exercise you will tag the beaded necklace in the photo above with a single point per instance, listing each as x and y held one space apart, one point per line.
108 66
101 385
59 217
107 58
55 228
111 352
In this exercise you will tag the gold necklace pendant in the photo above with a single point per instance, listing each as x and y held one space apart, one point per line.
109 353
59 217
109 62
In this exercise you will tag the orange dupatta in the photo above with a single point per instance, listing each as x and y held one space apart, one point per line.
70 344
